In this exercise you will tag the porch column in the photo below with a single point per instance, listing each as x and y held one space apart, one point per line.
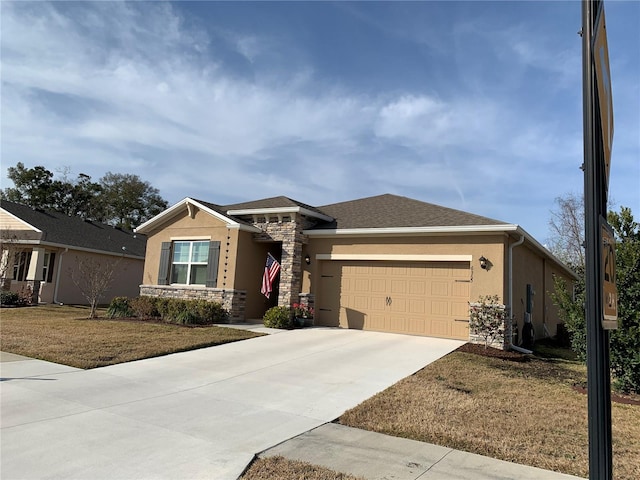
34 274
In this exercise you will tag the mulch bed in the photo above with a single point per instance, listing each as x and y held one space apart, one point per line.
492 352
615 397
478 349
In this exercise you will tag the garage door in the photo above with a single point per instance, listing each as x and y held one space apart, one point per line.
420 298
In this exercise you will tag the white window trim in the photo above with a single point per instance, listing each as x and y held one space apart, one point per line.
189 263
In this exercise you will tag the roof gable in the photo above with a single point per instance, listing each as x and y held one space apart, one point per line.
62 230
189 204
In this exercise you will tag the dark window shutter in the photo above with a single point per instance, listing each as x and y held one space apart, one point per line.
52 258
212 266
165 259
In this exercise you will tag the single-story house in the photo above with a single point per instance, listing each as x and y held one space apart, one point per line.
386 263
43 251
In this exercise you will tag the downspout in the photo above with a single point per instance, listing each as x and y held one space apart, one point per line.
511 247
55 290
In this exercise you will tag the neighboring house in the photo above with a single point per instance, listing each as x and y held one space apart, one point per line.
386 263
41 250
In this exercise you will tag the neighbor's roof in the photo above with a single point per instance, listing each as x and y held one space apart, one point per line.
393 211
62 230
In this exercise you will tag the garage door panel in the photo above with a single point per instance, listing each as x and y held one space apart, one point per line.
379 285
417 287
417 306
398 286
439 308
440 327
362 285
460 289
460 309
421 298
398 305
440 289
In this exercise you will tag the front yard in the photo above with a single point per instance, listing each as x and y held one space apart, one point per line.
532 412
64 334
523 412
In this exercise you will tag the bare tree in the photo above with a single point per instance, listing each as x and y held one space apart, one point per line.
566 227
93 277
9 250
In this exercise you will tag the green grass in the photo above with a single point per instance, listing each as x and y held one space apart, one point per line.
64 334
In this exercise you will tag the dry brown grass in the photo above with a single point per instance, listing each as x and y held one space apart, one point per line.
64 334
279 468
526 413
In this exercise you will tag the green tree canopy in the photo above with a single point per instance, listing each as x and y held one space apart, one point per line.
129 201
625 341
122 200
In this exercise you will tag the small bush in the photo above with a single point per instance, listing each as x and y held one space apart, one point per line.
10 298
145 307
277 317
487 318
119 308
208 312
162 305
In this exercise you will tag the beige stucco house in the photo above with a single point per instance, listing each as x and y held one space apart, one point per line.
41 250
386 263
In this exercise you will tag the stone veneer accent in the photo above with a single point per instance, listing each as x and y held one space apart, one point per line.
307 300
233 301
290 234
502 342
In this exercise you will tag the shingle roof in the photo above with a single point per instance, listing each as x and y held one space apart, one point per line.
393 211
58 228
273 202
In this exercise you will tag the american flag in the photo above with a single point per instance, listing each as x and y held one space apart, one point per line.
271 269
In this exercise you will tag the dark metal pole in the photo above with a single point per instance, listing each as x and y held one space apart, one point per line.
598 369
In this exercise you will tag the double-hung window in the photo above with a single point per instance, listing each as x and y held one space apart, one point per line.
189 263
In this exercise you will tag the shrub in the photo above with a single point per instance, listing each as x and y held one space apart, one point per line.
208 312
9 298
119 308
277 317
487 319
145 307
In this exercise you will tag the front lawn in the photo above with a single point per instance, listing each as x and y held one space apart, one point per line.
64 334
279 468
523 412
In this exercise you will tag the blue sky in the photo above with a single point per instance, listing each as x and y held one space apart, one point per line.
471 105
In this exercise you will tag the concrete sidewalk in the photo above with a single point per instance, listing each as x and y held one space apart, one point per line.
379 457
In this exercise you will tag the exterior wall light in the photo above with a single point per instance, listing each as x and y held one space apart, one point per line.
307 259
483 262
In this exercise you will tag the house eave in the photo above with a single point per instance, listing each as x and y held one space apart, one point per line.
410 231
77 248
273 211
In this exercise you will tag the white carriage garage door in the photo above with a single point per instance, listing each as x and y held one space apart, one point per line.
419 298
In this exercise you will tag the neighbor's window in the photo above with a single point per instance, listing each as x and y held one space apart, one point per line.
47 267
189 266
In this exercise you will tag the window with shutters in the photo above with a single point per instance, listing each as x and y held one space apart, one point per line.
189 262
47 267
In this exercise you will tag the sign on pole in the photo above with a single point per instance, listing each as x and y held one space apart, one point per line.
609 289
600 52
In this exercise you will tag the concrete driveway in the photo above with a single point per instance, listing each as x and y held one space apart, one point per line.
198 414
